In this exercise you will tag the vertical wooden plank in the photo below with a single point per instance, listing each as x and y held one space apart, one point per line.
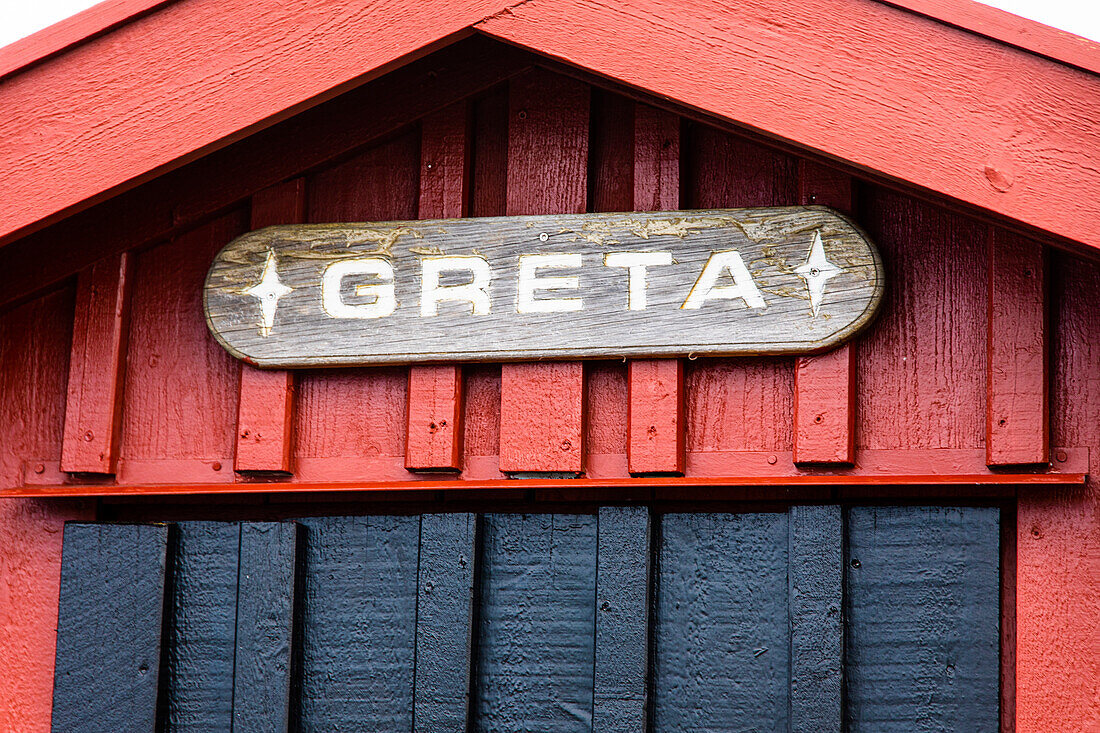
537 626
722 642
444 614
97 367
922 612
655 419
825 385
623 579
359 624
265 410
109 627
542 404
434 436
198 676
265 647
1017 416
815 606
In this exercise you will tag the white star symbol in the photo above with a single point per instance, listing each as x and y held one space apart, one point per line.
816 272
268 290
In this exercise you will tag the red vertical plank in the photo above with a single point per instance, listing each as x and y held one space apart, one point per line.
97 367
265 410
825 385
1016 404
655 419
434 436
542 404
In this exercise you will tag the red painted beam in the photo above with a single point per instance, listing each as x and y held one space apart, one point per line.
434 436
542 404
97 367
1017 429
265 410
825 385
655 388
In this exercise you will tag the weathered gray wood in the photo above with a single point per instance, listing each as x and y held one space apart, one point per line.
444 612
265 623
816 576
722 645
109 628
775 315
536 634
923 619
623 570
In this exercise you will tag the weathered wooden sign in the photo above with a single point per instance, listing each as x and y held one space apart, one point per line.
734 281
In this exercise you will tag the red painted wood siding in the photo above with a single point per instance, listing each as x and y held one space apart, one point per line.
921 395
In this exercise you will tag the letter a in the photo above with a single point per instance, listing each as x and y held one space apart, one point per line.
706 287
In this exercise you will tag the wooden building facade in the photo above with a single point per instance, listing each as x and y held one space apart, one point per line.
899 534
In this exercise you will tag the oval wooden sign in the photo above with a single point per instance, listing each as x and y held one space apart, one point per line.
784 280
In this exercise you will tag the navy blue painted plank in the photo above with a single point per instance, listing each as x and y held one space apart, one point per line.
109 628
265 623
622 620
444 612
923 619
722 645
816 603
536 633
198 679
359 624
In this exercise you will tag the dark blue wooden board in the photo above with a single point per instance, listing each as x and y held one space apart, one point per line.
359 624
198 679
923 619
623 579
444 613
537 626
265 625
722 646
109 628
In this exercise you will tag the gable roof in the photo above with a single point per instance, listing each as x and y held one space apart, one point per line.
110 101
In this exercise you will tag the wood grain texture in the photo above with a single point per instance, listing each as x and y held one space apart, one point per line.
434 434
109 627
359 627
825 385
181 388
265 407
197 693
265 647
1017 415
623 582
922 363
722 645
537 623
931 88
1058 586
816 609
542 405
736 281
656 392
178 201
97 367
923 619
444 617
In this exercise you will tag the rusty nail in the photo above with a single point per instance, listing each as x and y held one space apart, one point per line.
1036 532
88 435
819 419
1061 456
566 445
772 460
39 468
522 114
216 465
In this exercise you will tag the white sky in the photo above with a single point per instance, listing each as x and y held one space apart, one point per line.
19 18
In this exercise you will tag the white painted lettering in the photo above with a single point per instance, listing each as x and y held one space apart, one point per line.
706 287
385 301
529 282
475 292
636 264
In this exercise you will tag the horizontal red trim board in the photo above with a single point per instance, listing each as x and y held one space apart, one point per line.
97 367
1018 479
934 107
